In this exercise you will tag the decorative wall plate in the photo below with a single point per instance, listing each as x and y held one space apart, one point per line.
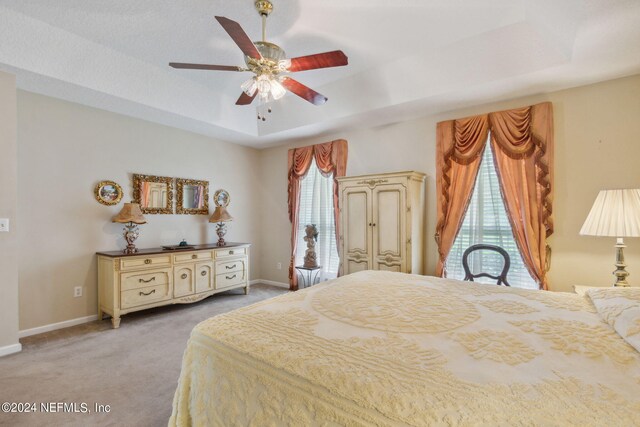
221 198
108 193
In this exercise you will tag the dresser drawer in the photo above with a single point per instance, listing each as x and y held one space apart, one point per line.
231 266
144 262
231 252
142 279
225 280
190 257
144 296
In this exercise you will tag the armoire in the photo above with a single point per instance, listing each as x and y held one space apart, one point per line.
382 222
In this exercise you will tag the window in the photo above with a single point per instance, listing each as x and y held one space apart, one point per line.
486 221
316 207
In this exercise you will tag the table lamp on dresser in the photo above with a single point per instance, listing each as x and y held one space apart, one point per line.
615 213
219 217
130 216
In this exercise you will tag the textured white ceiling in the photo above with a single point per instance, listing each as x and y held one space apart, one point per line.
406 58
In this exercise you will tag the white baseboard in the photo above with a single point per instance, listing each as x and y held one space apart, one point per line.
59 325
270 282
10 349
86 319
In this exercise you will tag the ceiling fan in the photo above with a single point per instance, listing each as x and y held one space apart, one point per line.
269 63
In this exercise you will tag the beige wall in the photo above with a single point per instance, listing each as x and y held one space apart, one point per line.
8 209
64 150
597 147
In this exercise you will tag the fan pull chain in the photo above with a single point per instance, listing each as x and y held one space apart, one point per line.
261 115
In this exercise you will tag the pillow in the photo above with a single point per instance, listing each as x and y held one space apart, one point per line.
620 308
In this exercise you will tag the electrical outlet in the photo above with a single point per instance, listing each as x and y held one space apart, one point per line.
279 266
77 291
4 224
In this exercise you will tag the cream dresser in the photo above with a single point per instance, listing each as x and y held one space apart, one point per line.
156 277
382 222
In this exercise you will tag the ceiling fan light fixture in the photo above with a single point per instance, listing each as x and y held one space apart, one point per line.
264 84
250 86
277 90
268 87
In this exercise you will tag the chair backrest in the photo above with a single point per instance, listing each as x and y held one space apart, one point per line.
501 278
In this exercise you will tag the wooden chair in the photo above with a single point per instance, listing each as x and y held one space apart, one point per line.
501 278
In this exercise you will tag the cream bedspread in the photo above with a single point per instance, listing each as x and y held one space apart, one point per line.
379 348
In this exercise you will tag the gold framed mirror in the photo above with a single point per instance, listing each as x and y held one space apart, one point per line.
192 196
153 193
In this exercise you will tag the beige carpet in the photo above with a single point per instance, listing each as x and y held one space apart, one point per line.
133 369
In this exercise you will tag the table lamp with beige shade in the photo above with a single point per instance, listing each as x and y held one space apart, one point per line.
131 216
615 213
220 217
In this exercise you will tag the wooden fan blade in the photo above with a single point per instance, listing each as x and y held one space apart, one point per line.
205 67
336 58
241 38
303 91
245 99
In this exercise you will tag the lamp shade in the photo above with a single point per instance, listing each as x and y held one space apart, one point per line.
130 213
220 214
615 213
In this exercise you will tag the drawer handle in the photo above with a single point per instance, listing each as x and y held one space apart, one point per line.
152 291
184 276
230 252
229 268
147 281
147 261
232 277
194 256
203 273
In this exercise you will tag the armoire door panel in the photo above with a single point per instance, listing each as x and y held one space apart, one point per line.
389 262
357 213
389 219
390 267
353 266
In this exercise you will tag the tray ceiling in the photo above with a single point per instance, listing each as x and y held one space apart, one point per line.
407 58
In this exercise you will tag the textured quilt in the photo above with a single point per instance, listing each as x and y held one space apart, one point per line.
392 349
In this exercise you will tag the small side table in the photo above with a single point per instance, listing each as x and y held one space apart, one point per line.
306 273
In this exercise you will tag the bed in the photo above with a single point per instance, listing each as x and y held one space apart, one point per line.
385 349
